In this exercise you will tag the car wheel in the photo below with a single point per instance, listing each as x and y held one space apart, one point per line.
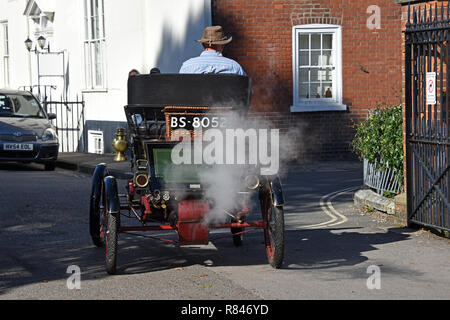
274 231
96 207
111 235
111 225
50 166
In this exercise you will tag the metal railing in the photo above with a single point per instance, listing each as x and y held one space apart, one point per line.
70 117
381 180
69 123
42 92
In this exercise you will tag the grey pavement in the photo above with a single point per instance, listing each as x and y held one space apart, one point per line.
86 163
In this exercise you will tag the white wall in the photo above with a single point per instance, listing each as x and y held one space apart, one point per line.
140 34
143 34
12 12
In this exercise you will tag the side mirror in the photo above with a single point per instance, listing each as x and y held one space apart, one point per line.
51 116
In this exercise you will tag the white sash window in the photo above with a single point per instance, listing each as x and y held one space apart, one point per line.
4 53
94 44
317 62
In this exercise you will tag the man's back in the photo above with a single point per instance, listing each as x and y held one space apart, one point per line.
211 62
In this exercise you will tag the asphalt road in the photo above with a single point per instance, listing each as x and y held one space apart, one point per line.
331 249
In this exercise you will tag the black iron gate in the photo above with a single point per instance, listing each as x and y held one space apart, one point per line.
70 117
69 123
427 56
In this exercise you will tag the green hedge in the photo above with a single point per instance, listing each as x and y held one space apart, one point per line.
379 138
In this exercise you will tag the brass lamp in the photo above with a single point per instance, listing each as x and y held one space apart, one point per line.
120 145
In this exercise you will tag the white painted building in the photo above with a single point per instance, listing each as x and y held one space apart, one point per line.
93 45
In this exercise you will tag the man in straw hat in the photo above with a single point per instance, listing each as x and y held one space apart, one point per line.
211 60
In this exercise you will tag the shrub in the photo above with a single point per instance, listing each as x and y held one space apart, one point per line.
379 139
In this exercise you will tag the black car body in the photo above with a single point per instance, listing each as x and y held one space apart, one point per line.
26 133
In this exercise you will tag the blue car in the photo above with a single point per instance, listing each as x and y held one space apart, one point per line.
26 133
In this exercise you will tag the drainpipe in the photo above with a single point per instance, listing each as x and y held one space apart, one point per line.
29 55
145 36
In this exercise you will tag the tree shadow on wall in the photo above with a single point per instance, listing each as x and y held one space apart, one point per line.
175 48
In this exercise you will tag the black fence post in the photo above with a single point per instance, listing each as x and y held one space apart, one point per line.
408 112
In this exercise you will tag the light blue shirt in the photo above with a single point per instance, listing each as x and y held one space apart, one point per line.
212 62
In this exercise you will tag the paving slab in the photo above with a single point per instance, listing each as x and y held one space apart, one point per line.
86 163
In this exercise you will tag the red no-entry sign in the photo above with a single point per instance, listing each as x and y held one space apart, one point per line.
431 87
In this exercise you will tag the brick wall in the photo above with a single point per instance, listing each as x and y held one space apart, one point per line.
371 61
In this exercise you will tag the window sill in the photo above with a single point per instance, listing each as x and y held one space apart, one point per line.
318 106
94 90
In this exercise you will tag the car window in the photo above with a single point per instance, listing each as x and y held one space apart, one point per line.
17 105
5 105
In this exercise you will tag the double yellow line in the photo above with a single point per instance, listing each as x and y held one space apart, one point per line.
336 218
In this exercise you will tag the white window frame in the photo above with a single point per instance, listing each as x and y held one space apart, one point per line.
319 104
5 52
91 70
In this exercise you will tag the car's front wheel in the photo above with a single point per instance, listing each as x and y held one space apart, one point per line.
274 230
49 166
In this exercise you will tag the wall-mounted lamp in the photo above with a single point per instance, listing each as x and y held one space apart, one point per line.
28 44
41 43
42 50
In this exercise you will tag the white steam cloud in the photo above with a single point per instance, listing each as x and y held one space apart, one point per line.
252 146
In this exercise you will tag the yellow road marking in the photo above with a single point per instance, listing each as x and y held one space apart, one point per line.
327 207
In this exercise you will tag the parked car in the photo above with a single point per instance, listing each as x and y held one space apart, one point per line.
26 133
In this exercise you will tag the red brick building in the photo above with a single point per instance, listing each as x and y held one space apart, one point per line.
317 66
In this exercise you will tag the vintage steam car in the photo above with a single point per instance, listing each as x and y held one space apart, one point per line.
170 111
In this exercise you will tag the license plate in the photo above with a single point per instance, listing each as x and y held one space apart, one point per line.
192 122
18 147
